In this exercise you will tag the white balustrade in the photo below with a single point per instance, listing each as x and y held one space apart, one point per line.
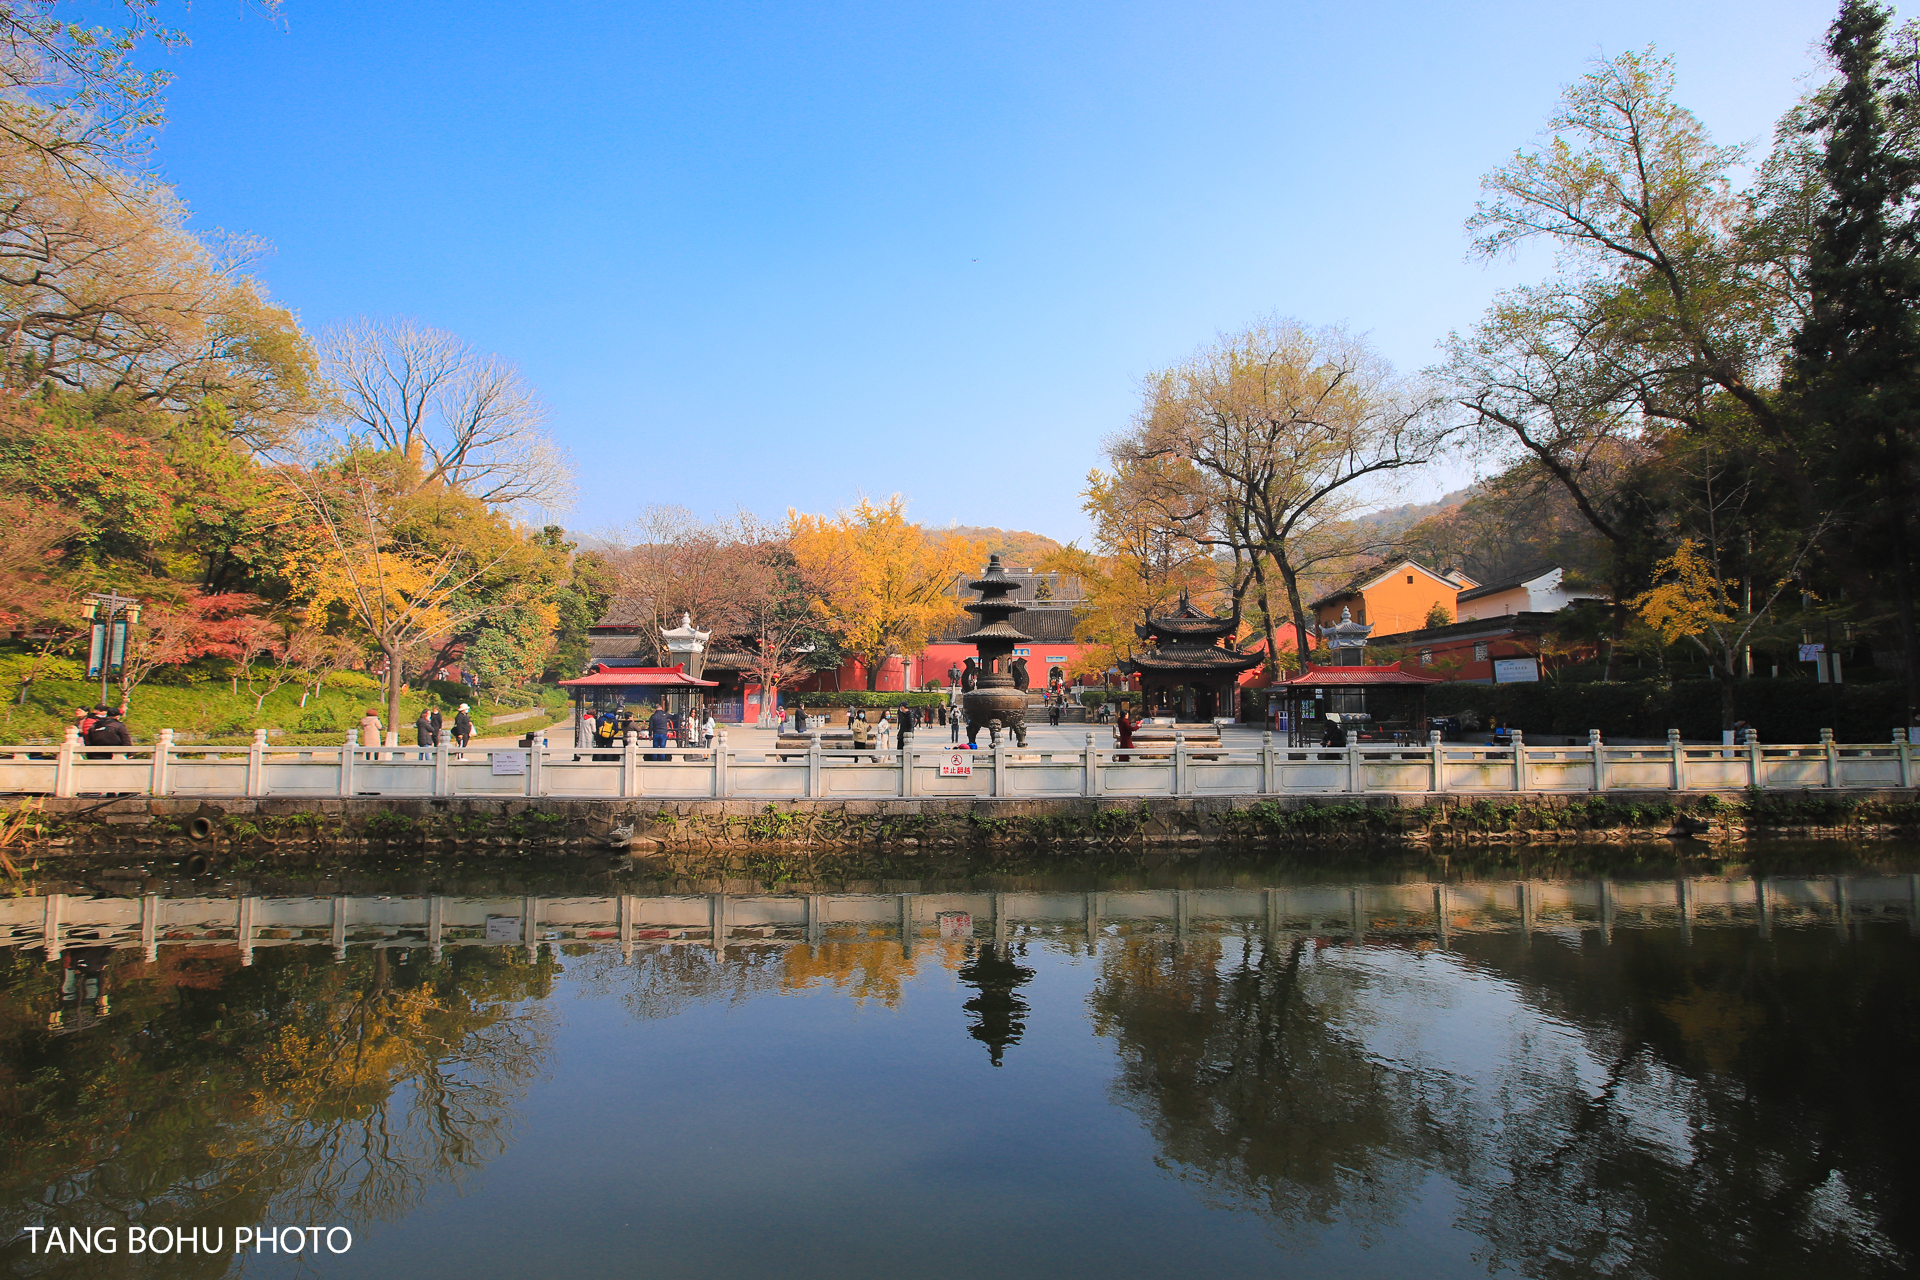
1235 767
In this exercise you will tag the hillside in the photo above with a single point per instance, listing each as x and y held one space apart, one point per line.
1014 546
1396 520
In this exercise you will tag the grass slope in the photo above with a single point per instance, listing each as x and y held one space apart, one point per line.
210 711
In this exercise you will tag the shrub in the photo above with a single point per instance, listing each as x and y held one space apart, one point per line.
863 698
1785 710
321 717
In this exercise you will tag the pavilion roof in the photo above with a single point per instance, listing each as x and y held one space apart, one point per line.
605 677
1184 623
1175 656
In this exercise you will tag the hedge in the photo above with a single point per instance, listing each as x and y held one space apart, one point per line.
1778 710
1094 697
864 698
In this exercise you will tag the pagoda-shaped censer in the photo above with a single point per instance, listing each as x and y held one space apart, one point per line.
995 702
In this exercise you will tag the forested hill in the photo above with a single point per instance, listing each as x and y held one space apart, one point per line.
1014 546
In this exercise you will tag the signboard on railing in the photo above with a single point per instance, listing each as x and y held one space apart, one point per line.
956 764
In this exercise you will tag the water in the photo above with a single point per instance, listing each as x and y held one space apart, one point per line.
1648 1076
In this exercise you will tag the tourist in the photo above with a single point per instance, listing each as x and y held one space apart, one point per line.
463 726
1123 728
434 716
583 732
606 732
1053 710
423 729
660 727
106 731
953 725
906 727
82 721
370 728
862 735
708 729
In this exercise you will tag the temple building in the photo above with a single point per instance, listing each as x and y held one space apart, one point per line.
1191 671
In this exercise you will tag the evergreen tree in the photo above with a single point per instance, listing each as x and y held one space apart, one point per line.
1856 364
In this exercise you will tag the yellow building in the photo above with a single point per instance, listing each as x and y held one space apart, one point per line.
1394 598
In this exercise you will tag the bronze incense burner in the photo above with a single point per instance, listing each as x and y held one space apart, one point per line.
996 701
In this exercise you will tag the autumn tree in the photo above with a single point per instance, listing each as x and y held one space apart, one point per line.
1696 600
1662 330
777 627
675 563
882 585
177 631
1288 431
405 563
1139 563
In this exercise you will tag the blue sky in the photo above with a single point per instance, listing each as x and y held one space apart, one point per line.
773 255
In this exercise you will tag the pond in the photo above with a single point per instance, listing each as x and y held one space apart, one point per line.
1203 1068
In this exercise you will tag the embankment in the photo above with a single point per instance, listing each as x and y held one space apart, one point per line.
258 829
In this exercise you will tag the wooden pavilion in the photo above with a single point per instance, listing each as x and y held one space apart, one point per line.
608 689
1191 670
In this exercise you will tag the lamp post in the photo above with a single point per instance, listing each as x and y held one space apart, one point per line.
112 615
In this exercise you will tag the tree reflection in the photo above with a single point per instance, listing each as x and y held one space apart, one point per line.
1652 1108
1249 1085
1728 1105
662 982
296 1090
998 1013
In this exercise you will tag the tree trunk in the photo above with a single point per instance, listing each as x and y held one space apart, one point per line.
394 687
873 676
1292 581
1266 618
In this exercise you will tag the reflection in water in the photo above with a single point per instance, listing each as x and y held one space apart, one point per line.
1652 1108
997 1014
1232 1053
1578 1089
296 1090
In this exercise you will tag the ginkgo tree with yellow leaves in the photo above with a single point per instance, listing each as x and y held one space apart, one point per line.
405 560
1139 565
882 585
1694 600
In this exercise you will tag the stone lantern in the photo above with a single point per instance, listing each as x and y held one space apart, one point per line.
1348 640
686 646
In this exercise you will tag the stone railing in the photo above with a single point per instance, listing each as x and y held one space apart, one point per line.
936 771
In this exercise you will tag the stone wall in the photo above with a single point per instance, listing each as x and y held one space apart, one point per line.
178 827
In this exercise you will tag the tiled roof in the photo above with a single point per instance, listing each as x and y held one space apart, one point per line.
621 677
1190 657
1318 677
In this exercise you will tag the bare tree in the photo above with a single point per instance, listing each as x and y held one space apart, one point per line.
675 563
469 419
